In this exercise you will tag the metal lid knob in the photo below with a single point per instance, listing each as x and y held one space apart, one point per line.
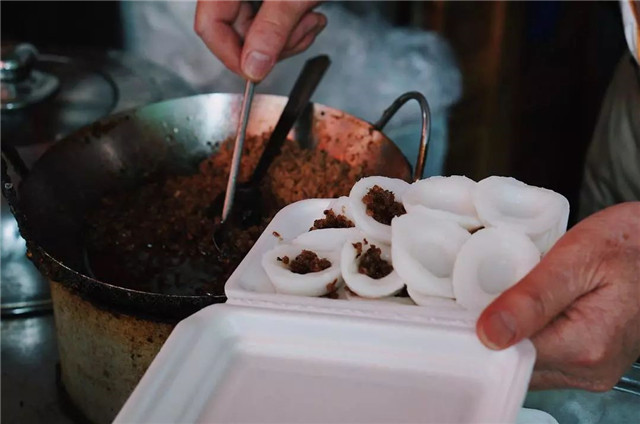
21 84
17 61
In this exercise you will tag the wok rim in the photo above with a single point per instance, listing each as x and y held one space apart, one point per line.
39 254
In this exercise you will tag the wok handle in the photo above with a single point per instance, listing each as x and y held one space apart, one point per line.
9 193
425 131
12 155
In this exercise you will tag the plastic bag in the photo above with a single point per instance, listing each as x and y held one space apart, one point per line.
372 64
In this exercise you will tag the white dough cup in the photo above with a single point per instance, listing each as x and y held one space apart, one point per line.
431 301
430 247
312 284
537 212
490 262
364 222
424 250
349 295
362 284
326 239
449 198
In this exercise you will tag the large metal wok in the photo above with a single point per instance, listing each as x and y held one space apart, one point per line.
172 137
108 335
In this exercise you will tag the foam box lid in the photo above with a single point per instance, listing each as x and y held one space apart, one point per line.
272 358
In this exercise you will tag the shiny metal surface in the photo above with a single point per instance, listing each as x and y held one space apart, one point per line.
23 86
16 61
425 129
250 200
245 111
92 85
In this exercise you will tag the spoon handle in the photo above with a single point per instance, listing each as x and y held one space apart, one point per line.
237 149
313 71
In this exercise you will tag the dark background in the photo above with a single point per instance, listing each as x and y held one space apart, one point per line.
62 23
534 74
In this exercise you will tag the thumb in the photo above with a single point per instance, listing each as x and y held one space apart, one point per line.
531 304
269 33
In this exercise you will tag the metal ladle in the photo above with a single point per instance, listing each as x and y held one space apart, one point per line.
248 202
229 194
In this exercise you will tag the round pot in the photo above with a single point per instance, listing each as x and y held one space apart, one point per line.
107 334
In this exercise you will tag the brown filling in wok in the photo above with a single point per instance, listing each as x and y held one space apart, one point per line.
382 205
158 237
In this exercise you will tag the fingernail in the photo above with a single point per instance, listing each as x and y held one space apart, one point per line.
311 26
322 23
257 64
498 331
318 28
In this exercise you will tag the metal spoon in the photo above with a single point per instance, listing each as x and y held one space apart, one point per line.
237 150
248 203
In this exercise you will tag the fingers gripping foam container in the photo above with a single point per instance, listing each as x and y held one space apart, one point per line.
265 357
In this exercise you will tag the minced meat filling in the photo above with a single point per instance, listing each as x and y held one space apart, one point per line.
402 293
372 264
331 220
307 262
358 247
382 206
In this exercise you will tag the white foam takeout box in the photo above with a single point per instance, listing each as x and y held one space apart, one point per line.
265 357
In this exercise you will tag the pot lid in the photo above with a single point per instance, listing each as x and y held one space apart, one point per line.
46 96
22 85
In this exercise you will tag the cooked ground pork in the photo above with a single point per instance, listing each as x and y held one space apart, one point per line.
382 206
331 220
372 264
307 262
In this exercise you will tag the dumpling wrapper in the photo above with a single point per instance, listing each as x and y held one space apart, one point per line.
326 238
540 213
490 262
392 299
362 284
424 250
364 222
449 198
431 301
312 284
341 206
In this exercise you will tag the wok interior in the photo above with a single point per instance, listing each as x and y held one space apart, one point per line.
171 138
